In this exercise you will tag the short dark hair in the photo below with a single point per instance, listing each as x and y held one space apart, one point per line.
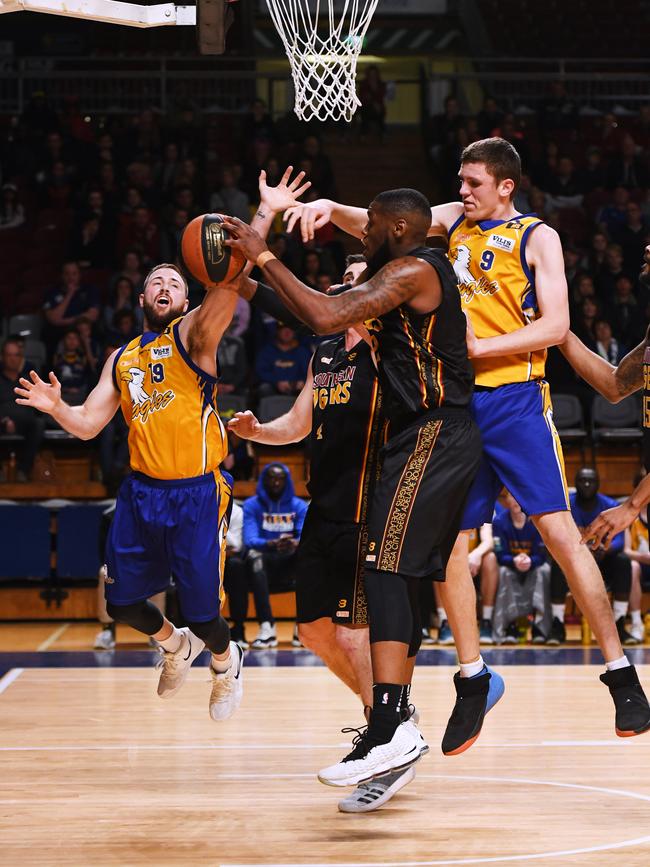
166 265
500 158
354 259
404 201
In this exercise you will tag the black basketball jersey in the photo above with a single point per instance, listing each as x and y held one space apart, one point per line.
422 358
646 409
347 429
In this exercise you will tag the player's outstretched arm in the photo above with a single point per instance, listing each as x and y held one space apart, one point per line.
609 523
315 215
614 383
552 326
400 281
84 421
292 427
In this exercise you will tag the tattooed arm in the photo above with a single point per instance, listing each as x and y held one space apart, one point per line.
614 383
404 280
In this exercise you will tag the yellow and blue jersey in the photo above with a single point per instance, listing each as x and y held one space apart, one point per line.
170 406
497 290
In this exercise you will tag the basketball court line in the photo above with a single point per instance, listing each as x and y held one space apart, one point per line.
54 637
9 678
493 859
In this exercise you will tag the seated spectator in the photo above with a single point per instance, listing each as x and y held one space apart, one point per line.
630 235
592 176
524 576
14 418
583 287
229 199
122 297
273 520
235 579
628 168
241 318
281 364
638 552
66 303
71 368
571 263
563 185
614 214
89 345
231 361
88 247
586 504
627 321
167 168
589 313
321 174
324 283
607 346
12 212
258 123
141 234
124 328
170 237
610 272
133 269
490 117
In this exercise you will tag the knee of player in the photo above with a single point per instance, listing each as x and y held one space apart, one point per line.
350 640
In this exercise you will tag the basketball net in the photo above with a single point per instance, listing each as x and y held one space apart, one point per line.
323 65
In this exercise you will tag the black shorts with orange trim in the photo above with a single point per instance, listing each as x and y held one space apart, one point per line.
426 473
329 571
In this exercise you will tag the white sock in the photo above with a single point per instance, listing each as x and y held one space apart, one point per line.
442 614
558 611
636 618
623 662
488 611
469 669
172 643
620 609
221 665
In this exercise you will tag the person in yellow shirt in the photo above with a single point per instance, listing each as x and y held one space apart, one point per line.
510 272
172 510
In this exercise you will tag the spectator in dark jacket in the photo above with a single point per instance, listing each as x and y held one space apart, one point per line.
16 419
282 363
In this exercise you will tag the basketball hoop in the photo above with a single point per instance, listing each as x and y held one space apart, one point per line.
323 66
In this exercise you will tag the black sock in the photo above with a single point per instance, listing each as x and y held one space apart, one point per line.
386 707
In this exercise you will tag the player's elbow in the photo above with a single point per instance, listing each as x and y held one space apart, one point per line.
559 331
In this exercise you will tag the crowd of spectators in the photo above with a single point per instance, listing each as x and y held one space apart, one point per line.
588 176
88 206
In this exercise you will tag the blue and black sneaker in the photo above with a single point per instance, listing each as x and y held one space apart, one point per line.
445 635
475 696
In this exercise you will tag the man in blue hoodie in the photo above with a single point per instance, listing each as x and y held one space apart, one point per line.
273 521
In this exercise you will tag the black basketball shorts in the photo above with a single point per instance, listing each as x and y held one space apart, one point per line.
329 571
415 513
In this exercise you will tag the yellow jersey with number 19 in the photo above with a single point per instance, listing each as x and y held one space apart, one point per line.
497 291
170 406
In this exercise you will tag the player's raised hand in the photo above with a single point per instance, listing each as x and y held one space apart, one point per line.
245 425
313 216
38 394
605 526
285 194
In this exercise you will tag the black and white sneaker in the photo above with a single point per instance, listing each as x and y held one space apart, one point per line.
369 759
266 637
632 709
626 638
374 794
557 635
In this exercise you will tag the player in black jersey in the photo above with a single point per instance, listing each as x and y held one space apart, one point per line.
410 305
340 406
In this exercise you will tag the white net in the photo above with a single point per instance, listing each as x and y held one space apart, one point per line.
323 54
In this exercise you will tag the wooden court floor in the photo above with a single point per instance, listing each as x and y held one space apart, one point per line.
96 770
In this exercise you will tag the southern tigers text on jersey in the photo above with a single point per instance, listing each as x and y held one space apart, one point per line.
347 429
170 406
497 291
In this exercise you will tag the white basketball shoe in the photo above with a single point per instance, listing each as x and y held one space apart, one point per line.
176 666
227 686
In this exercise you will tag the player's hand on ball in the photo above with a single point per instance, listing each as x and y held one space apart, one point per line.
38 394
313 216
243 238
245 425
286 193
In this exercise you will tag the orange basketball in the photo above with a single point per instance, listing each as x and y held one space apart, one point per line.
204 254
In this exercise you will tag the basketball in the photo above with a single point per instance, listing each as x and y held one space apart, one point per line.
204 254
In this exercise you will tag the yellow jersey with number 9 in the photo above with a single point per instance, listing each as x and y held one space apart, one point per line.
170 406
497 291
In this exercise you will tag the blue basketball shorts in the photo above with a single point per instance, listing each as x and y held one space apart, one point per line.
521 452
170 527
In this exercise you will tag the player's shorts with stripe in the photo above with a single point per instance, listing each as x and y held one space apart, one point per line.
164 527
329 571
521 452
426 472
